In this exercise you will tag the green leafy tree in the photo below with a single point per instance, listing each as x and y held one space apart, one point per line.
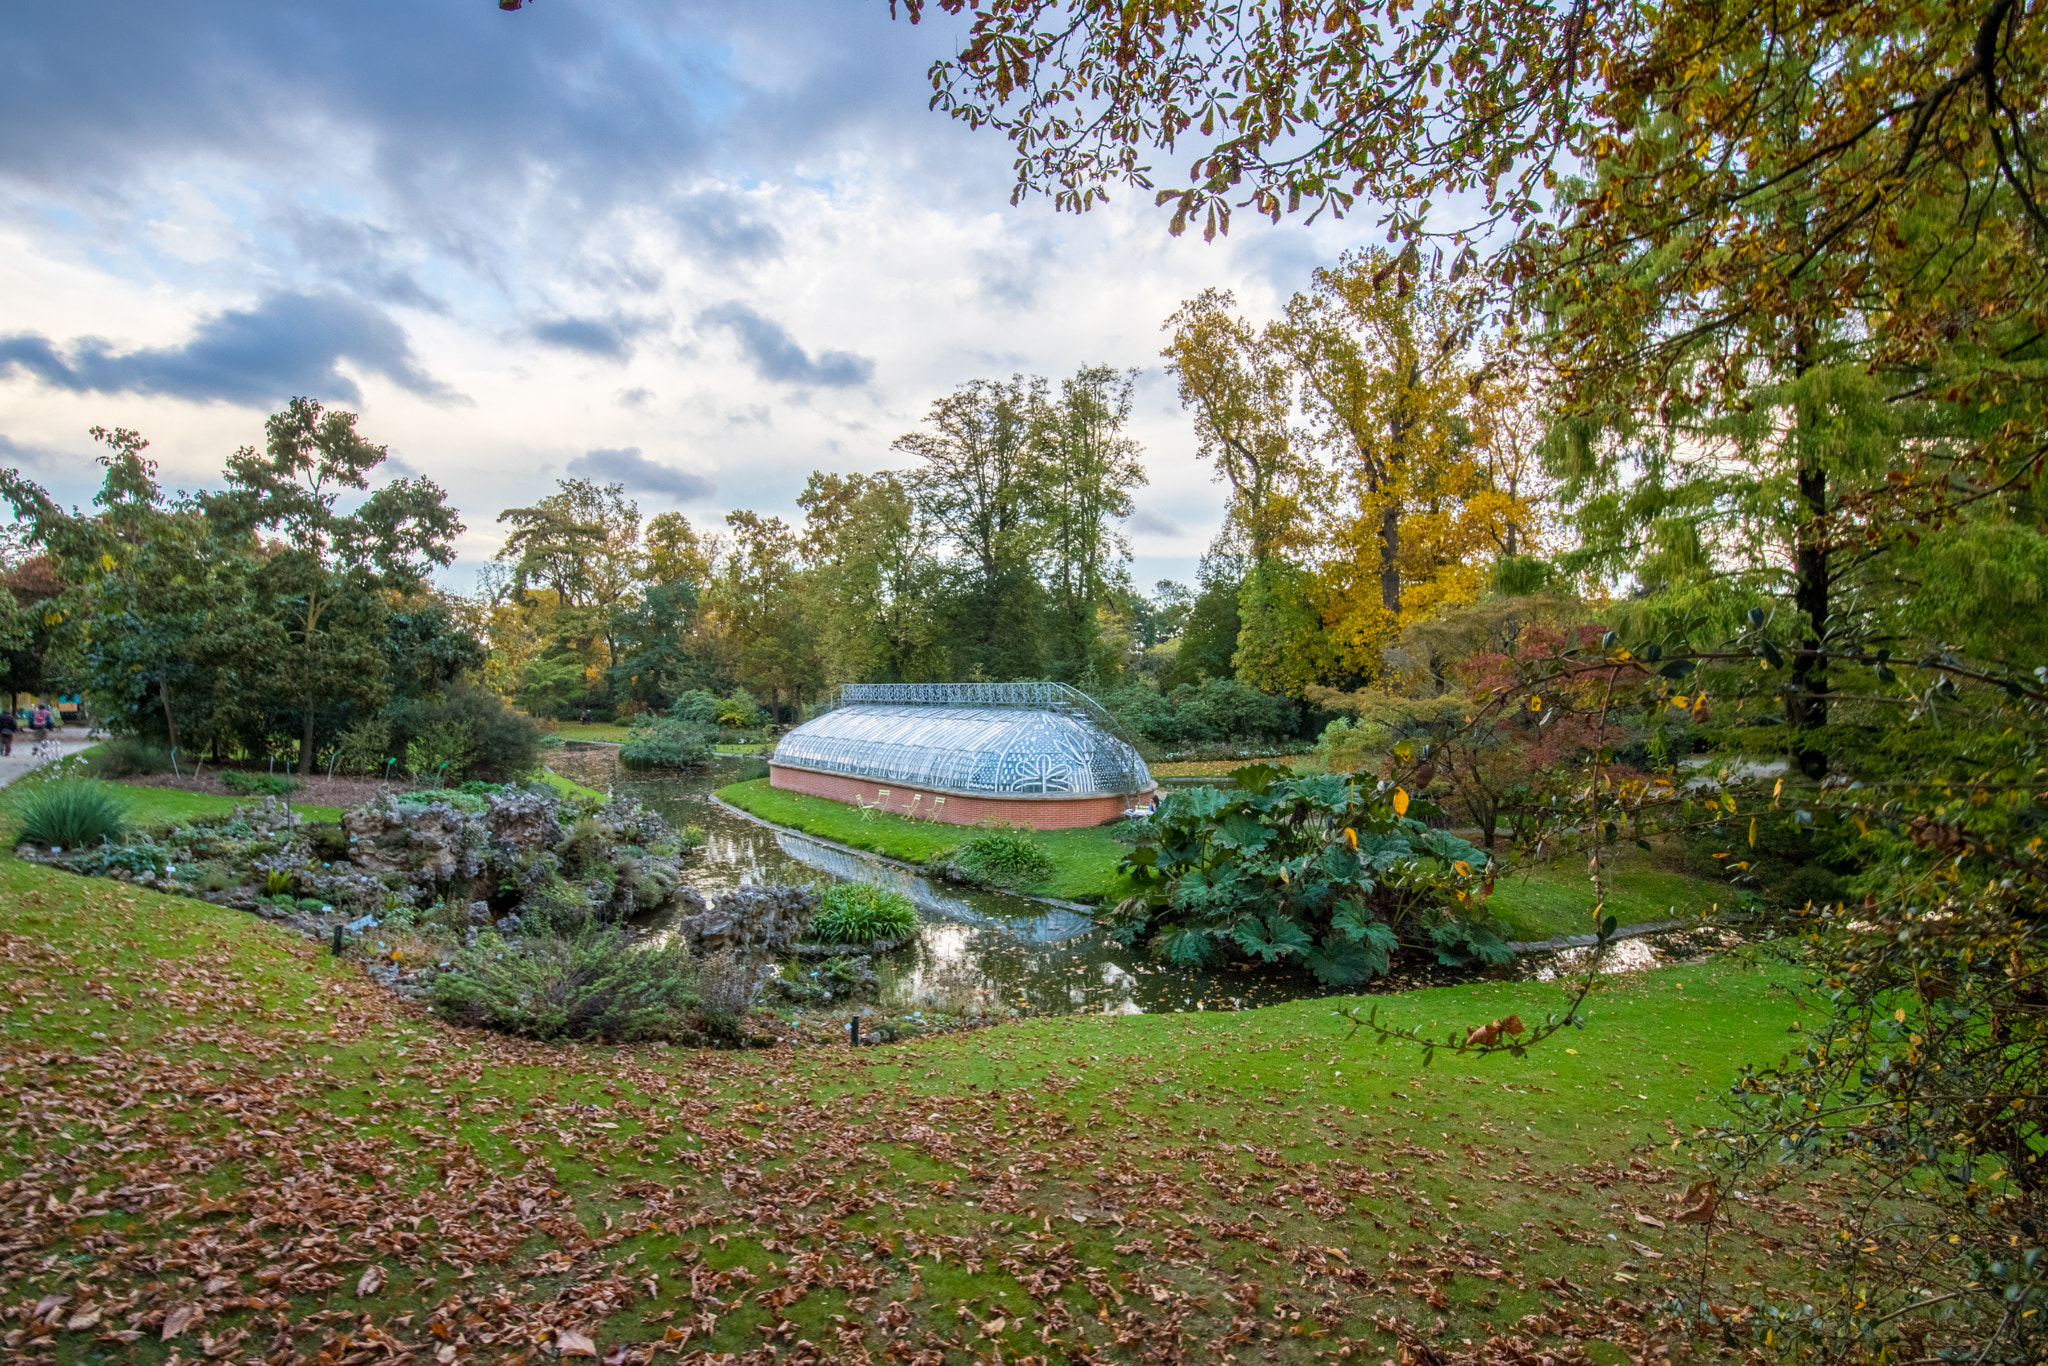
875 578
979 482
1087 468
324 576
157 599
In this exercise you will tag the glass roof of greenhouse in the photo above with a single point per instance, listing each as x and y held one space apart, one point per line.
1029 739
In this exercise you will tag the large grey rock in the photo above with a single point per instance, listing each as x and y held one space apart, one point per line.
750 920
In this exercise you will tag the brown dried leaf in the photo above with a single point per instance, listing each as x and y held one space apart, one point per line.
83 1319
1702 1198
372 1281
570 1343
181 1317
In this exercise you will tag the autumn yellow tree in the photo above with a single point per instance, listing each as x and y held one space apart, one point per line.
1417 430
1235 380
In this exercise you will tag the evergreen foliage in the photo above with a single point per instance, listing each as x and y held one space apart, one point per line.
593 984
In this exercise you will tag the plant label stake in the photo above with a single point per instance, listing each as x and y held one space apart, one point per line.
853 1031
337 941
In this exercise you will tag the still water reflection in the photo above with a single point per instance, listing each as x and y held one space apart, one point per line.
973 949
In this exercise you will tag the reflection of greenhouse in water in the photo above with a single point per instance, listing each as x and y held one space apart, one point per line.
1037 754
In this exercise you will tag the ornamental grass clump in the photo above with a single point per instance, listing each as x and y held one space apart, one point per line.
596 984
1002 857
70 813
862 913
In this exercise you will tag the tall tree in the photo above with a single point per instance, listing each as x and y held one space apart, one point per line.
325 573
979 481
582 544
1385 357
758 594
875 578
1087 470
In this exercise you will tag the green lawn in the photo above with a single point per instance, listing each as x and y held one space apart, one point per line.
594 730
1084 860
1556 899
262 1147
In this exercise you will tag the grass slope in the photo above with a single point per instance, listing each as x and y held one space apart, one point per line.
221 1135
1084 860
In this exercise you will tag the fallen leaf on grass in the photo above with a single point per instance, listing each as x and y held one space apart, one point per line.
372 1281
83 1319
570 1343
1652 1220
180 1318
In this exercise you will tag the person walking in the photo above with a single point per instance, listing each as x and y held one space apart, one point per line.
39 721
9 724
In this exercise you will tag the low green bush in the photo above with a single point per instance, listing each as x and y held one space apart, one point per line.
1001 858
663 742
861 913
69 813
258 784
596 984
128 755
749 769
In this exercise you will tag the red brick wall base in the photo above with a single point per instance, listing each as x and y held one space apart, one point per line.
1040 813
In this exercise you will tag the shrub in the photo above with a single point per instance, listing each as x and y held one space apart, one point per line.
726 989
493 739
739 710
749 769
1005 858
258 784
125 755
596 984
70 813
861 913
440 751
663 742
364 746
698 707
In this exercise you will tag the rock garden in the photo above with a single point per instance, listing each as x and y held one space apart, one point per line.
507 906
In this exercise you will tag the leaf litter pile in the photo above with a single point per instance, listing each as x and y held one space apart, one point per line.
220 1145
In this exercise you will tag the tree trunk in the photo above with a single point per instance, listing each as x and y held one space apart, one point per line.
1390 560
163 692
306 744
1806 703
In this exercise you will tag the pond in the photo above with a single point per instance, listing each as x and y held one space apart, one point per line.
981 950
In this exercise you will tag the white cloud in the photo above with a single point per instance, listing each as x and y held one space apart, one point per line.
732 236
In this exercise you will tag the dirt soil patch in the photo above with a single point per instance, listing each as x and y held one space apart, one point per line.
336 791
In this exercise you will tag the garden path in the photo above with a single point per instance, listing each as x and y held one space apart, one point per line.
23 759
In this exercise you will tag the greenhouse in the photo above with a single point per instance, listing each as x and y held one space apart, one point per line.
1039 754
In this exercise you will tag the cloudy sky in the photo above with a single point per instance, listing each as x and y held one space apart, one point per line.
701 247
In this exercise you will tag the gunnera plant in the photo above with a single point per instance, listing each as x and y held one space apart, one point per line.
69 813
1004 857
596 984
862 913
